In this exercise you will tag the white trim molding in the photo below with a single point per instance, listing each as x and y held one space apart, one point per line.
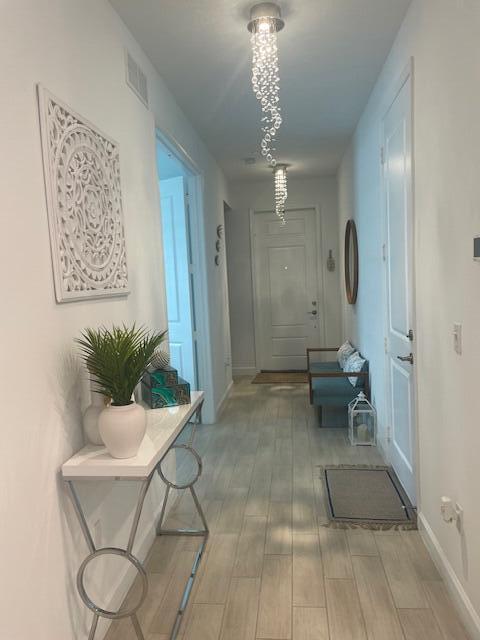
244 371
223 401
406 76
196 190
464 606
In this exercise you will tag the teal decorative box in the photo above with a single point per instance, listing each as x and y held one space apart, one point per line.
167 377
166 396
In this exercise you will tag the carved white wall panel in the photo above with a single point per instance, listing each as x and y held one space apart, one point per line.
82 177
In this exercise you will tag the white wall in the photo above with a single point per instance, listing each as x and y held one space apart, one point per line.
442 36
364 323
76 49
302 193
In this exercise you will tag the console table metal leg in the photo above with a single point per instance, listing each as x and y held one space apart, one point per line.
202 533
188 589
137 627
164 507
131 611
81 518
99 612
93 628
138 512
199 509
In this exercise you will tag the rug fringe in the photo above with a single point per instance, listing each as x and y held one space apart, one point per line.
370 526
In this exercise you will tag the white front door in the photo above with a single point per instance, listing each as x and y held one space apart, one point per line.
286 289
176 251
397 175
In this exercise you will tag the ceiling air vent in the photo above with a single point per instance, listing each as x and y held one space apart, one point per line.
136 79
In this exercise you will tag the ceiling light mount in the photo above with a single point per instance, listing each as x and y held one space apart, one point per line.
265 13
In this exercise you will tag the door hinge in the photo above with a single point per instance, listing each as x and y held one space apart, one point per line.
410 335
389 434
385 344
384 252
408 358
382 155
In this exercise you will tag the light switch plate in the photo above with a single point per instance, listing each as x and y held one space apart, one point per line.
457 337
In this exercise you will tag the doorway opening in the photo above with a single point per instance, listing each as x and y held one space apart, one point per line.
180 187
185 267
221 247
177 256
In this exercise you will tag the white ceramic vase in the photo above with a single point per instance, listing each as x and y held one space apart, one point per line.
122 429
90 419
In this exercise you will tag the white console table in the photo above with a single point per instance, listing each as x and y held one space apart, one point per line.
94 463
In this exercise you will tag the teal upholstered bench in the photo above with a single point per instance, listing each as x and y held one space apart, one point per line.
329 385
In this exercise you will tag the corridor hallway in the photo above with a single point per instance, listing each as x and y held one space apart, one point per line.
271 570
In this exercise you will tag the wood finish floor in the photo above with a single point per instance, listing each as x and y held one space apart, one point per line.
270 571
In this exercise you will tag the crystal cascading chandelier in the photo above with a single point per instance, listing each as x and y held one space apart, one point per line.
280 178
265 22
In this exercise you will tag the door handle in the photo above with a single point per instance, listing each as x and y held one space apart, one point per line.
314 312
408 358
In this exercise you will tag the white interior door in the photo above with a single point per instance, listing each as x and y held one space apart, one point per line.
397 172
177 259
286 289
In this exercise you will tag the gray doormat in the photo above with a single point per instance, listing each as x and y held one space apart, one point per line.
366 497
281 377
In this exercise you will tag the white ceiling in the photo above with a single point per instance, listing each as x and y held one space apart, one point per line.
330 54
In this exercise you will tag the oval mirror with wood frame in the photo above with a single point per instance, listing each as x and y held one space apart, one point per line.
351 262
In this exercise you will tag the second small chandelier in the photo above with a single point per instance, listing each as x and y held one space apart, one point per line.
280 177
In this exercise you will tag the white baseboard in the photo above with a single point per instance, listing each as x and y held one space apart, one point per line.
223 401
244 371
464 606
382 446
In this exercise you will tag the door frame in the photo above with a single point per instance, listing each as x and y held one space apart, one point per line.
407 75
195 186
182 238
320 273
228 335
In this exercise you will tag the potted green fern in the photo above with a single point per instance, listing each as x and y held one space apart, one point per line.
117 360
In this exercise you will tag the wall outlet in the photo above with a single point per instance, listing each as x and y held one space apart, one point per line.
457 337
446 509
451 512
